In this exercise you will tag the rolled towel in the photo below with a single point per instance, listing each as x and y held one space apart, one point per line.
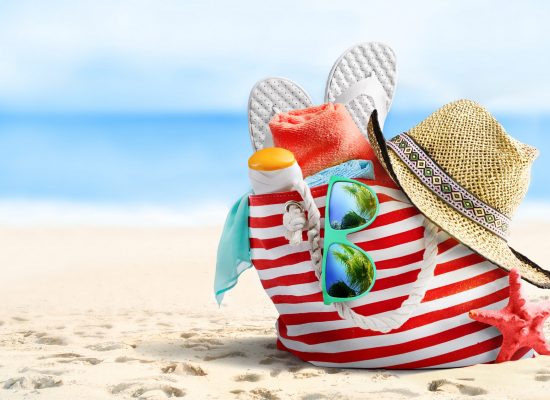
321 137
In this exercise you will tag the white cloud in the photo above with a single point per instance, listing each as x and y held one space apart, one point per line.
175 55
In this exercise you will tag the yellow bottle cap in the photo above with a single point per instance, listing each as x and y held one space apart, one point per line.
271 159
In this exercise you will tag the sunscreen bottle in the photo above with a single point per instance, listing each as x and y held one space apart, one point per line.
272 170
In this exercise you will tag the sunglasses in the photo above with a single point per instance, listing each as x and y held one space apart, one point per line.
348 271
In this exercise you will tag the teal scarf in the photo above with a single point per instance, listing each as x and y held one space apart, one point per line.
234 249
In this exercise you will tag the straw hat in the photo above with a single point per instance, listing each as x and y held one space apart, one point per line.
460 168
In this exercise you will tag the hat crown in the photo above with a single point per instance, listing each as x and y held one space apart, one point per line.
475 150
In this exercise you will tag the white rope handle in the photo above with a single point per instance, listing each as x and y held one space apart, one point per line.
294 221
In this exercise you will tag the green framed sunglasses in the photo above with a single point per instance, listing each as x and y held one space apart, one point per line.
348 271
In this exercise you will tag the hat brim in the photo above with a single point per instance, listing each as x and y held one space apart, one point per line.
469 233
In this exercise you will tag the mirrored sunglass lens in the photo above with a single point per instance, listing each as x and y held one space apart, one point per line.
348 271
351 205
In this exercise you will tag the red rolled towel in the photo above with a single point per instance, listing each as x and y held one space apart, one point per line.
321 137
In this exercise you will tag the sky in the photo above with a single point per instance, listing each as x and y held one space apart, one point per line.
139 106
189 56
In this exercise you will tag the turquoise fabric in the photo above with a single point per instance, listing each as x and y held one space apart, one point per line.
349 169
234 248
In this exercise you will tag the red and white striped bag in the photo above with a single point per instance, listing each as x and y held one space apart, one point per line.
438 333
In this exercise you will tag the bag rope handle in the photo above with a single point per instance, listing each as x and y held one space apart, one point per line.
294 221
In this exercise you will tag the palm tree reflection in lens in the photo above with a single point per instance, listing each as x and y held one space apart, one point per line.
365 206
359 272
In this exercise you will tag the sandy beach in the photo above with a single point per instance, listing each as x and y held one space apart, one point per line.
121 313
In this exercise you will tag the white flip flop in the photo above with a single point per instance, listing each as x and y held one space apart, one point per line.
364 79
269 97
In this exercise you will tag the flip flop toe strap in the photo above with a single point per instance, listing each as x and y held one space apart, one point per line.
372 88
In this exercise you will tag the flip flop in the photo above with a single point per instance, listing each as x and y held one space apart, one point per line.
269 97
364 79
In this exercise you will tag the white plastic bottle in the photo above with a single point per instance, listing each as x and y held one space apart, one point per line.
272 170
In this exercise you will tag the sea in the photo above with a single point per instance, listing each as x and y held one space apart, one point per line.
165 169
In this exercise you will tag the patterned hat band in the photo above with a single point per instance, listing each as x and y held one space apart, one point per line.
446 188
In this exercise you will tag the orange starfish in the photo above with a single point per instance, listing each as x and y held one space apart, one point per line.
521 323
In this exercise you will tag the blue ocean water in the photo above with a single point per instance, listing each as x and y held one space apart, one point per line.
167 159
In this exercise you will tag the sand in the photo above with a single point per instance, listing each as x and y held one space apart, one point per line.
122 313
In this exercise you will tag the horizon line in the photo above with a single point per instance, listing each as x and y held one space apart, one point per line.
18 212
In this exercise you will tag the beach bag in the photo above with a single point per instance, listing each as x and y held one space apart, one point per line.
436 333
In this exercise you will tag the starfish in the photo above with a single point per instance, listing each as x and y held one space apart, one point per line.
521 323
